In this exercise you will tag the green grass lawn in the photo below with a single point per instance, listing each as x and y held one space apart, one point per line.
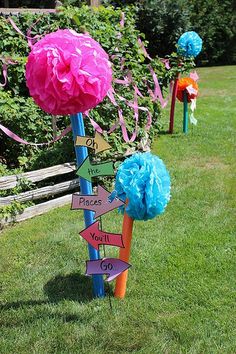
181 295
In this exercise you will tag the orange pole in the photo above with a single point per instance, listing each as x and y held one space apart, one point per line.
121 280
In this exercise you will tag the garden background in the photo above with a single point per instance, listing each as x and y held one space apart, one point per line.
181 290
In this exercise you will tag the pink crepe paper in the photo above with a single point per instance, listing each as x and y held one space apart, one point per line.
194 76
4 73
67 72
18 139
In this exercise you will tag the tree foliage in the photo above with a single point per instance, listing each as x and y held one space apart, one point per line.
215 21
163 21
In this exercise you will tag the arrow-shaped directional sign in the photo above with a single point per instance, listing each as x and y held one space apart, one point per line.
99 203
110 266
87 170
96 237
97 143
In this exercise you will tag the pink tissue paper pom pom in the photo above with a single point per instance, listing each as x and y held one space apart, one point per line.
68 72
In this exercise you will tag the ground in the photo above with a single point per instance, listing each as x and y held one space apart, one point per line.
181 295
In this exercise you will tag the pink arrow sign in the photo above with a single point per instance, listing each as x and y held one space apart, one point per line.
110 266
96 237
99 203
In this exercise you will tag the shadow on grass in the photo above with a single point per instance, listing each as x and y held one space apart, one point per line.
163 132
75 287
174 135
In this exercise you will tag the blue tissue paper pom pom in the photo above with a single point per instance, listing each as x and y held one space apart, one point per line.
144 180
189 44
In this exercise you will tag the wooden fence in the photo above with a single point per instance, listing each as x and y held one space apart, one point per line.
6 10
8 182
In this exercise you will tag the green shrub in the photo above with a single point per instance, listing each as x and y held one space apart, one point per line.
21 115
215 21
163 22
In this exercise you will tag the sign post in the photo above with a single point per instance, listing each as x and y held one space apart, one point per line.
81 152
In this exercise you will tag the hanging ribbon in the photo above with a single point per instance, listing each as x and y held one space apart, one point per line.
122 20
4 73
149 120
121 122
31 40
140 43
157 94
15 137
166 62
193 104
6 61
194 76
191 90
134 105
126 81
157 90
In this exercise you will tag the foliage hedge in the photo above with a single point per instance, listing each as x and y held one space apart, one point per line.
164 21
18 111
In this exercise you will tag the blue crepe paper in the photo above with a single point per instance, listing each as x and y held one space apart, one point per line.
144 180
189 44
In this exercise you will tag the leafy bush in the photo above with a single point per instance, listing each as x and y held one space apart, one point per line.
21 115
215 21
163 22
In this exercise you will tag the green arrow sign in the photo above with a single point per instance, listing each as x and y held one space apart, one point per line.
87 170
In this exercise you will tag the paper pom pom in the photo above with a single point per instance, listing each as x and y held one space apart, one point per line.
67 72
189 44
144 180
183 83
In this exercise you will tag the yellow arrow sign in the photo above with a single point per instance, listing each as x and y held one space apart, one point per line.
97 143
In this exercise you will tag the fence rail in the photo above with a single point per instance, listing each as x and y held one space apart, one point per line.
16 11
39 209
40 193
8 182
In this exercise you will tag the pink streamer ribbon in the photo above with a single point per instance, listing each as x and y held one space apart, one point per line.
157 94
15 137
166 62
149 120
194 76
140 43
134 105
4 73
6 61
126 82
122 20
110 95
31 40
